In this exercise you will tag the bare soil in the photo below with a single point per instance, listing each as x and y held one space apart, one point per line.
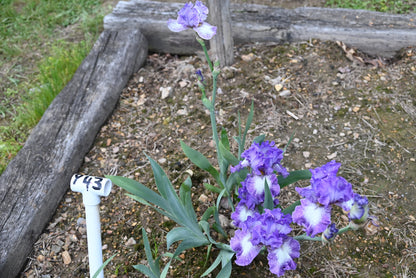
361 114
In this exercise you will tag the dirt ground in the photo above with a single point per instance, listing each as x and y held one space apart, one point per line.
361 114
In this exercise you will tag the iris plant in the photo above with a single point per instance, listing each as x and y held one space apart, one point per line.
255 180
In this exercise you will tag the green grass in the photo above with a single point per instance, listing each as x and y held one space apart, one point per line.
42 43
390 6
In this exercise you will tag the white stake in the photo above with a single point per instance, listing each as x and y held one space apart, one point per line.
92 188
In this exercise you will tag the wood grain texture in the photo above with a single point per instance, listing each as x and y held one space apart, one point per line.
34 182
374 33
222 44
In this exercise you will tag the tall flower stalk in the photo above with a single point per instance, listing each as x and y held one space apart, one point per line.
252 182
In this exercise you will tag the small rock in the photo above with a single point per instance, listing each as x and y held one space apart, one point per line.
203 198
306 154
141 101
224 221
141 79
82 230
59 242
284 93
81 222
183 111
68 200
247 58
183 83
278 87
40 258
116 149
166 92
66 257
308 165
73 238
56 249
105 247
332 155
162 161
130 242
224 203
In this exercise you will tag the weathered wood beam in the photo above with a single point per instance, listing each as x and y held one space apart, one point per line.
372 32
35 181
222 44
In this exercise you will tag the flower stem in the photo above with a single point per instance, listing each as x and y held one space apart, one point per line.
306 237
344 230
215 72
204 47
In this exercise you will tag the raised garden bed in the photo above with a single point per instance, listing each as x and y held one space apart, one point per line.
69 127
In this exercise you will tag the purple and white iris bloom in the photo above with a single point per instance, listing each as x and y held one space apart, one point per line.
327 188
314 217
241 213
244 248
269 229
255 185
193 17
275 226
263 159
281 259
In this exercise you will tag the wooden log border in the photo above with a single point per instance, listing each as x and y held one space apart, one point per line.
375 33
35 181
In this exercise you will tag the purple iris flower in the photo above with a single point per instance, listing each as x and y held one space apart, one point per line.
314 217
241 213
327 188
246 242
275 226
263 159
244 248
255 184
269 229
193 17
281 259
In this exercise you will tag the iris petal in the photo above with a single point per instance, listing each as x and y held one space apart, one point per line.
174 26
206 31
244 248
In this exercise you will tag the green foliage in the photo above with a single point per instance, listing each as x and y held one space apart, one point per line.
153 270
37 66
390 6
55 73
34 20
103 266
